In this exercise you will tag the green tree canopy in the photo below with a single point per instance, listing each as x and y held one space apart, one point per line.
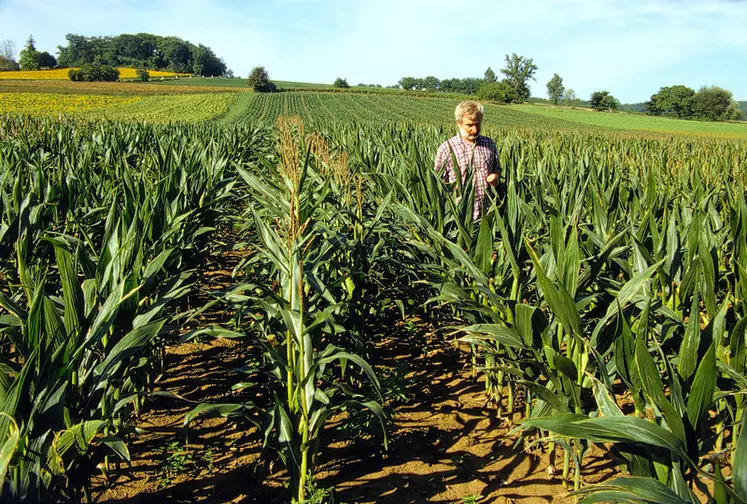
603 100
29 58
500 92
518 71
674 101
431 83
141 50
489 75
260 81
46 60
569 98
341 83
407 83
555 89
712 103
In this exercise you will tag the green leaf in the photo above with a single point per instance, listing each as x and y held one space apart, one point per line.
690 343
703 387
9 445
739 469
212 331
78 437
610 429
557 298
117 446
624 296
132 342
634 489
493 332
225 410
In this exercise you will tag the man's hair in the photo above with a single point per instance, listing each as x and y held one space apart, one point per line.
468 108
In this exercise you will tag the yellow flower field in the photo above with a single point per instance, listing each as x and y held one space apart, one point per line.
61 74
152 109
55 104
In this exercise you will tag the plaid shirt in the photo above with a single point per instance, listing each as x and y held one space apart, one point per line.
483 157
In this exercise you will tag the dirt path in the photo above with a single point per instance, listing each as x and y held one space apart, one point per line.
446 445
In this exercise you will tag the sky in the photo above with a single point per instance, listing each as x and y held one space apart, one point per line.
630 48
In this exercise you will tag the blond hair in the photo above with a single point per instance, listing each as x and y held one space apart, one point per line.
468 108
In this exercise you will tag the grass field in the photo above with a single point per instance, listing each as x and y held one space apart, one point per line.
622 120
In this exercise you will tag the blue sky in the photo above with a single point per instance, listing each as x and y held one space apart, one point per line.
630 48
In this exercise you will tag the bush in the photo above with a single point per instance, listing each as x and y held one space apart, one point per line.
93 73
341 83
7 64
260 81
603 100
142 75
496 91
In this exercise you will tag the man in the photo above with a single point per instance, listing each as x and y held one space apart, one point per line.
471 150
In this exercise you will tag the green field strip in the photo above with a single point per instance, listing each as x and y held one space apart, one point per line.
237 108
626 121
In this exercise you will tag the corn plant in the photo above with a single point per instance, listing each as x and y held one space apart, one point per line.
289 212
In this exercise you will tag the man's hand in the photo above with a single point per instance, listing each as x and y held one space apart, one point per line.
492 179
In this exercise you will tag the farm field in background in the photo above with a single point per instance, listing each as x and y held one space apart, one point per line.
62 74
600 301
324 108
128 107
638 122
109 88
366 105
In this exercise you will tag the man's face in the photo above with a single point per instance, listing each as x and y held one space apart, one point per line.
469 128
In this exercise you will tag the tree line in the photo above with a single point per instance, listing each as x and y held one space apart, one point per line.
142 50
708 103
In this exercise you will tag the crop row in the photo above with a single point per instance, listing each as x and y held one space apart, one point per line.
318 108
152 108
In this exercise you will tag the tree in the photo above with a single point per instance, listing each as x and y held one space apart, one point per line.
674 101
489 75
46 60
7 64
733 112
603 100
93 73
555 89
569 97
8 55
712 103
29 58
518 71
431 83
407 83
496 91
260 81
8 49
341 83
177 54
206 63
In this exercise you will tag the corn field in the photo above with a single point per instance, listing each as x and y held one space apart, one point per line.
601 296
